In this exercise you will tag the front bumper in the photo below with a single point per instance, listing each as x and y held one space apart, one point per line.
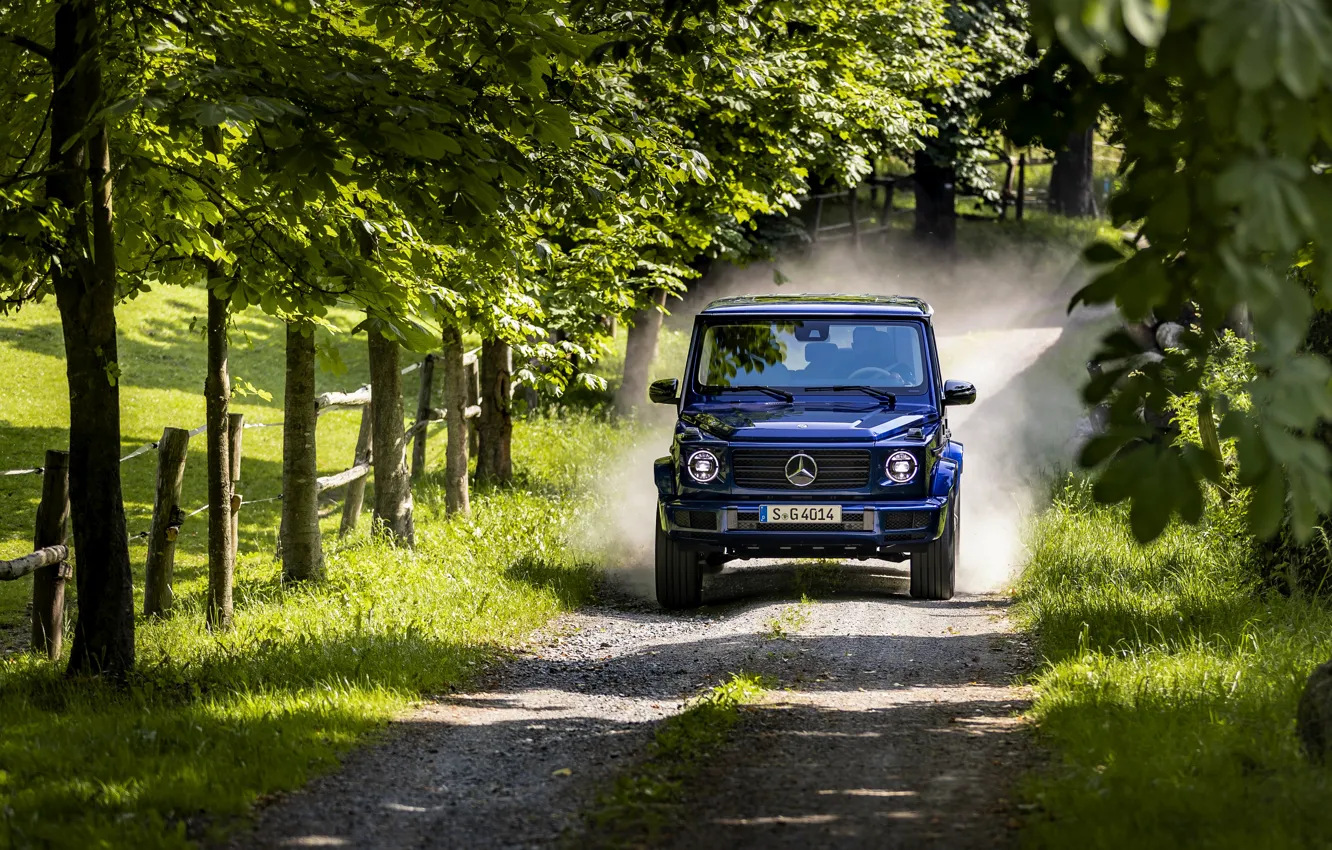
732 527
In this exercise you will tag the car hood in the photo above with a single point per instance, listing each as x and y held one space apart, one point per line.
797 422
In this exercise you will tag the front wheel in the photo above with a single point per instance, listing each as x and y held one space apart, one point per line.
934 571
679 574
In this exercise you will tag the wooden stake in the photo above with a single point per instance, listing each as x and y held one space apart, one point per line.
235 430
1022 186
172 451
472 376
423 415
852 197
48 584
351 505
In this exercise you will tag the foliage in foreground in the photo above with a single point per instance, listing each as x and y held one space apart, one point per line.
1170 688
210 723
646 798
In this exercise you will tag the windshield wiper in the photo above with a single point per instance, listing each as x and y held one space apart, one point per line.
881 395
784 396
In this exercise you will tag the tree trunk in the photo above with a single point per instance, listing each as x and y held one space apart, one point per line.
217 400
1071 191
494 463
393 481
302 552
85 286
936 219
639 351
456 498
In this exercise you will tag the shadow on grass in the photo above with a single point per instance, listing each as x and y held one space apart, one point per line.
571 587
1108 624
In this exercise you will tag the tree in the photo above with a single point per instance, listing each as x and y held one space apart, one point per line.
1071 192
494 462
456 496
65 240
302 549
984 48
1220 169
393 480
1054 104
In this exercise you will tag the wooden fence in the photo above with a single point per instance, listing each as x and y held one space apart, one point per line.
49 562
857 226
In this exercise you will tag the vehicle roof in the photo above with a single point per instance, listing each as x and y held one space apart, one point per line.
821 304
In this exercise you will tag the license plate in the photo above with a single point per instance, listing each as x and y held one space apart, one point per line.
817 514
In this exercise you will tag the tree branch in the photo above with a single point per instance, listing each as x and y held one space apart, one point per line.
28 44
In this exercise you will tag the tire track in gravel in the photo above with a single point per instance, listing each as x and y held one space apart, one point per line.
893 725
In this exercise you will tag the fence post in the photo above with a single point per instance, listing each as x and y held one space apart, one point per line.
818 220
853 208
889 189
351 504
235 430
48 583
472 377
172 451
1007 193
422 415
1022 186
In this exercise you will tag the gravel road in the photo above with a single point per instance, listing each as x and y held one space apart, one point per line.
893 725
894 722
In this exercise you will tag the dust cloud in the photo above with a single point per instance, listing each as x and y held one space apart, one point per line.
1000 322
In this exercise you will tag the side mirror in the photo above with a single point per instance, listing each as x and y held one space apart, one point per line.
665 391
959 392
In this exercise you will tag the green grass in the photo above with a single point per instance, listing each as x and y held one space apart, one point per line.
210 723
647 797
1168 697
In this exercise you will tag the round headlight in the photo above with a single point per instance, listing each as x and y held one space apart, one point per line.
703 466
901 467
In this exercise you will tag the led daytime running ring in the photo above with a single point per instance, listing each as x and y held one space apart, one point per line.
703 466
901 467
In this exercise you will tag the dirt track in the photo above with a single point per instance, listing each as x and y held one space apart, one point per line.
894 725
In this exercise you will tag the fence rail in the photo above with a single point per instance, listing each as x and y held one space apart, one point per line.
858 226
46 557
49 563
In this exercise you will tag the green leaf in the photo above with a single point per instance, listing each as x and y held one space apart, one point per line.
1102 253
1146 20
1267 505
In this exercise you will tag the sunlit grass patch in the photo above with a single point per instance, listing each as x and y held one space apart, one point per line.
1169 691
211 723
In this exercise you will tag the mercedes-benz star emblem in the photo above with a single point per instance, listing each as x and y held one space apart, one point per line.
801 470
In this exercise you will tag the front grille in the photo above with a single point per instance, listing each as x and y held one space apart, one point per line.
900 520
700 520
749 521
765 469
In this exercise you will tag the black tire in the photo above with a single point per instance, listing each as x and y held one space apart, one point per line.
934 571
679 574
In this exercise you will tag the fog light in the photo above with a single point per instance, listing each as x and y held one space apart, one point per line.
703 466
901 467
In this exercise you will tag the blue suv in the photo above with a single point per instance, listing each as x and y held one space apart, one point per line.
810 426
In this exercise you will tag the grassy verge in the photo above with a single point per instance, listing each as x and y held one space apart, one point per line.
647 798
210 723
1170 689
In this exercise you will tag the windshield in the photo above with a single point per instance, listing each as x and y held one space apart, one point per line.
789 354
